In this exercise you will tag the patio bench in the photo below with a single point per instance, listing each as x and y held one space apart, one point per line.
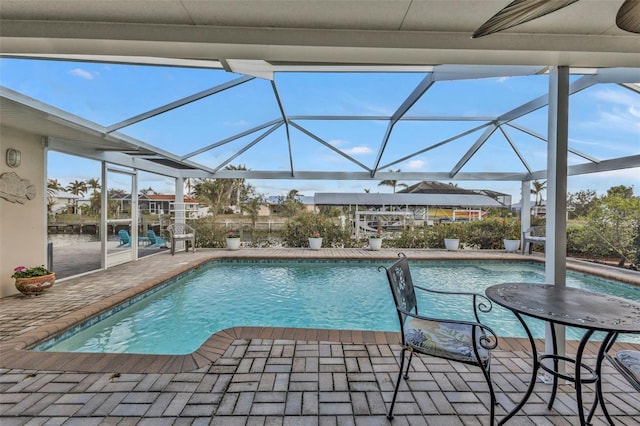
533 235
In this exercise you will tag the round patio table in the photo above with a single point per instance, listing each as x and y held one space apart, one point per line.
575 308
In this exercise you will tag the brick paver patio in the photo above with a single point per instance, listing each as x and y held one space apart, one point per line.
260 376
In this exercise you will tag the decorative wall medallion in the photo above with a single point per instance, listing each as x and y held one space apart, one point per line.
15 189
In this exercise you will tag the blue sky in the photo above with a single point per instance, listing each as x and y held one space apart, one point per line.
604 121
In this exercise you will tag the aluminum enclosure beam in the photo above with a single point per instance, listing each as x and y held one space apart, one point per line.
113 157
176 104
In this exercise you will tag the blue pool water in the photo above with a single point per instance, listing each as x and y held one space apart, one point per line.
181 316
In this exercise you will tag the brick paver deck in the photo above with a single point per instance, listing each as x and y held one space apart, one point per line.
260 376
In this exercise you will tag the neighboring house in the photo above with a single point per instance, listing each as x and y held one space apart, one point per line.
165 204
62 201
424 202
502 198
160 204
274 204
537 211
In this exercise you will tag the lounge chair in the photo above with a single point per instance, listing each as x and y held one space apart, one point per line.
125 238
182 232
155 241
468 342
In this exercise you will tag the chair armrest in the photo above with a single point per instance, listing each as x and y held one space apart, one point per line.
480 301
489 339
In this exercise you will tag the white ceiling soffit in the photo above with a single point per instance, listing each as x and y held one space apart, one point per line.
356 32
133 60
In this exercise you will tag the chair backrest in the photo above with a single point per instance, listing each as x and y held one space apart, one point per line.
124 236
401 285
151 236
179 228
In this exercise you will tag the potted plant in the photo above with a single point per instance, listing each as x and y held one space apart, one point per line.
33 280
315 241
233 241
512 237
375 241
452 237
451 244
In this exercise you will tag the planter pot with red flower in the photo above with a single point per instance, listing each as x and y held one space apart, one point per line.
33 281
315 243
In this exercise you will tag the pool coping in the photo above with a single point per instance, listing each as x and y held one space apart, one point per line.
15 353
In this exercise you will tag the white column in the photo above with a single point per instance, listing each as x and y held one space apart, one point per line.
178 206
134 215
525 209
104 226
556 232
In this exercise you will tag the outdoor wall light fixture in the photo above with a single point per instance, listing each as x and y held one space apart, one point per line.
13 157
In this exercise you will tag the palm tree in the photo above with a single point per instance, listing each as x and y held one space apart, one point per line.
293 194
538 187
53 186
236 185
213 192
77 187
188 187
93 184
393 183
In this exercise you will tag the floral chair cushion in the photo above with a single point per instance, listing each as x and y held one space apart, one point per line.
630 360
442 339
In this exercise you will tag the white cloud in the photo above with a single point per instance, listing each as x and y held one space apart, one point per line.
616 97
358 150
415 164
337 142
84 74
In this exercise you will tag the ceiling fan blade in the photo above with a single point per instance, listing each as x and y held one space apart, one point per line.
519 12
628 17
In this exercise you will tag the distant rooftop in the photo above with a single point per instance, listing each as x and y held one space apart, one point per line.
470 199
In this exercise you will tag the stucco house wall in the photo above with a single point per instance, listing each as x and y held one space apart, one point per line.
23 234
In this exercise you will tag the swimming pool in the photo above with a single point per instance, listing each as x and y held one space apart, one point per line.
184 313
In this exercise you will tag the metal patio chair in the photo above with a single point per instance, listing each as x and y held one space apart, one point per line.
182 232
468 342
627 362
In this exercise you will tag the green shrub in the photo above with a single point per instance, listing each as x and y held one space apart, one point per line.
208 234
410 238
302 226
489 233
583 241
